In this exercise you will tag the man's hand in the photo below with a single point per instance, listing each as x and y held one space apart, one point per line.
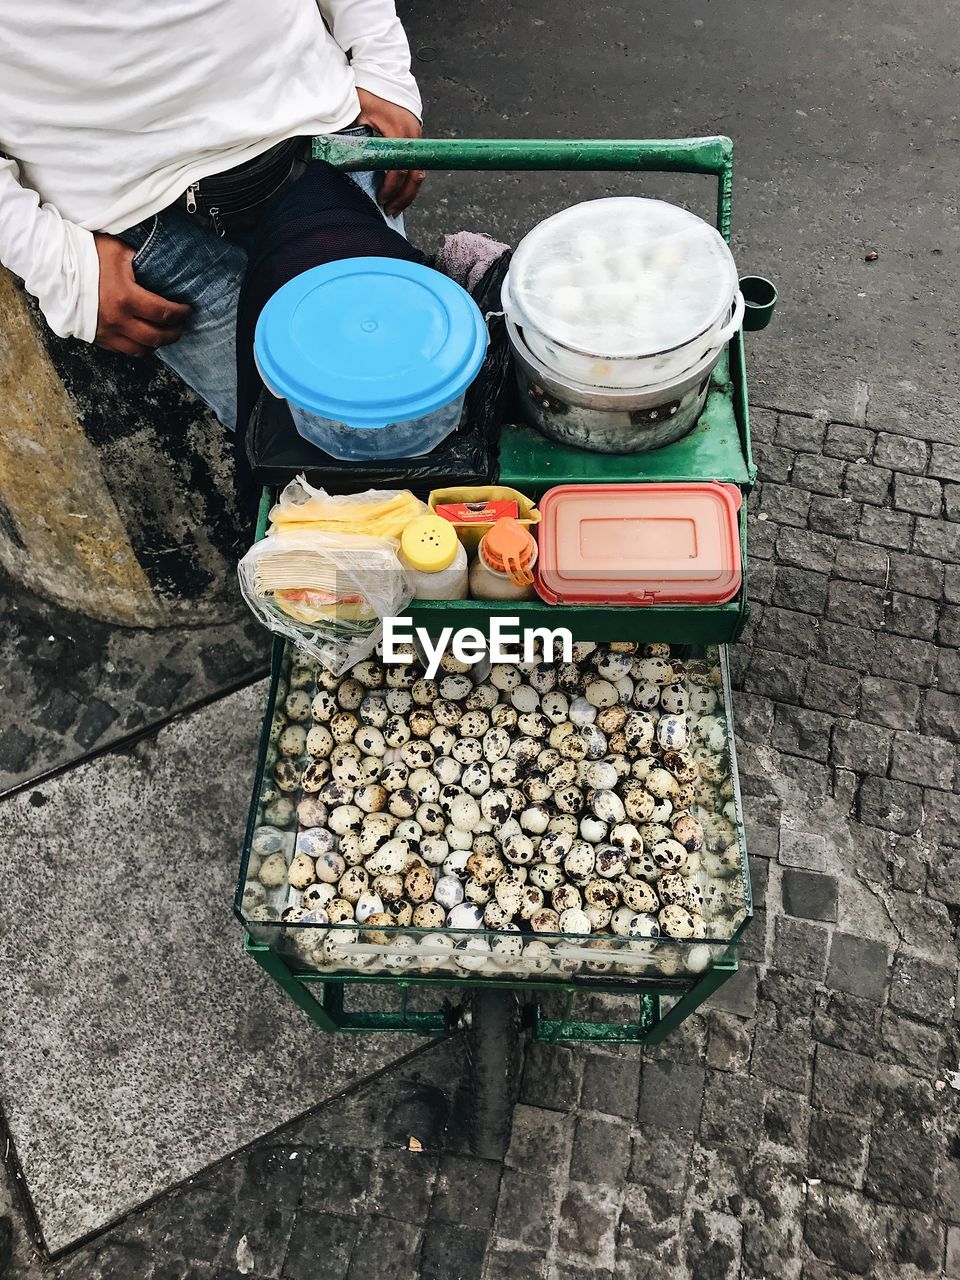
399 187
132 320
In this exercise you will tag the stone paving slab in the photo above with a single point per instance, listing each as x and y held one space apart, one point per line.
72 685
139 1044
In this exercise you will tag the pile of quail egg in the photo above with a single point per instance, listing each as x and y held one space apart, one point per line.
557 817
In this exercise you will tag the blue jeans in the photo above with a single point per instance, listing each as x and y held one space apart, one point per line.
177 258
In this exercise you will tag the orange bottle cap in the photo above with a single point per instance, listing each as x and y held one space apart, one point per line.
509 548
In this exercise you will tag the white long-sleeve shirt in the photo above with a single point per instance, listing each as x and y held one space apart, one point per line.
110 109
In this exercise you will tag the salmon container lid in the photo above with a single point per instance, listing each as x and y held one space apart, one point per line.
638 544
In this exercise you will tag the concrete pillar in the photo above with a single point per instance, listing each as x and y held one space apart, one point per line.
116 486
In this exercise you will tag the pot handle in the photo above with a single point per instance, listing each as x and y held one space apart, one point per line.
736 320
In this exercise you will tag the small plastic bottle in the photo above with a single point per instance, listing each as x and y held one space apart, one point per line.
503 569
435 559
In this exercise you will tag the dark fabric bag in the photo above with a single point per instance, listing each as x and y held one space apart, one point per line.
324 217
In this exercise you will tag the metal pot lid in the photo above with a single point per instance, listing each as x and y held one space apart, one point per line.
625 277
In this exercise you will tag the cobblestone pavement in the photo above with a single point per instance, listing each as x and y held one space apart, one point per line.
806 1124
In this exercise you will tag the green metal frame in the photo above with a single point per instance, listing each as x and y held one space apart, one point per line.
653 1023
718 449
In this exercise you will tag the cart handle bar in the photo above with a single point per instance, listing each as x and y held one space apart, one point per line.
712 155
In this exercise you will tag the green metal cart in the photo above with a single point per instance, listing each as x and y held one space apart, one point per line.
493 1008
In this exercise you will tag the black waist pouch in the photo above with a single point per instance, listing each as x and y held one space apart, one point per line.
247 186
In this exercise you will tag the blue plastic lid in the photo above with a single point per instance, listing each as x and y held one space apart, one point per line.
370 341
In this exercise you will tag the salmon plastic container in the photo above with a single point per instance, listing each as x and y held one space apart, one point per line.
636 544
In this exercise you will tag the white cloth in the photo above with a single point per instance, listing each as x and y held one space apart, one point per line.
109 110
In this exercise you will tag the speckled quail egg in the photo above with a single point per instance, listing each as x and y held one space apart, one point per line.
424 692
424 784
431 818
353 884
546 876
273 872
593 829
485 868
601 693
644 925
626 836
448 892
555 706
287 774
348 772
496 744
422 722
504 717
394 776
279 811
418 884
403 803
398 702
676 922
323 707
297 705
351 848
329 867
554 846
456 688
546 920
672 732
482 697
375 831
396 732
434 849
580 861
464 812
293 740
467 751
611 861
564 897
447 770
301 872
517 848
646 697
442 740
344 818
350 694
599 917
446 713
670 855
531 901
410 830
610 720
316 896
507 949
637 894
473 724
601 893
534 819
581 713
568 799
429 915
574 920
392 858
477 893
316 841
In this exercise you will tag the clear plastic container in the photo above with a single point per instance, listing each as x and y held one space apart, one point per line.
410 439
635 544
373 355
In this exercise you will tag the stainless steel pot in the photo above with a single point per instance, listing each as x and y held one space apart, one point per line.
608 421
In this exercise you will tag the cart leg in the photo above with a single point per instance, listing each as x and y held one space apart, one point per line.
688 1003
271 963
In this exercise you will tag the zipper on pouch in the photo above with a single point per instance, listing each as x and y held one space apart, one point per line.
192 197
217 224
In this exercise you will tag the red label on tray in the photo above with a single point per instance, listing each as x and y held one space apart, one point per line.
477 512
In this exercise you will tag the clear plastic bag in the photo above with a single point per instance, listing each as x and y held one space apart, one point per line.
327 592
376 513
